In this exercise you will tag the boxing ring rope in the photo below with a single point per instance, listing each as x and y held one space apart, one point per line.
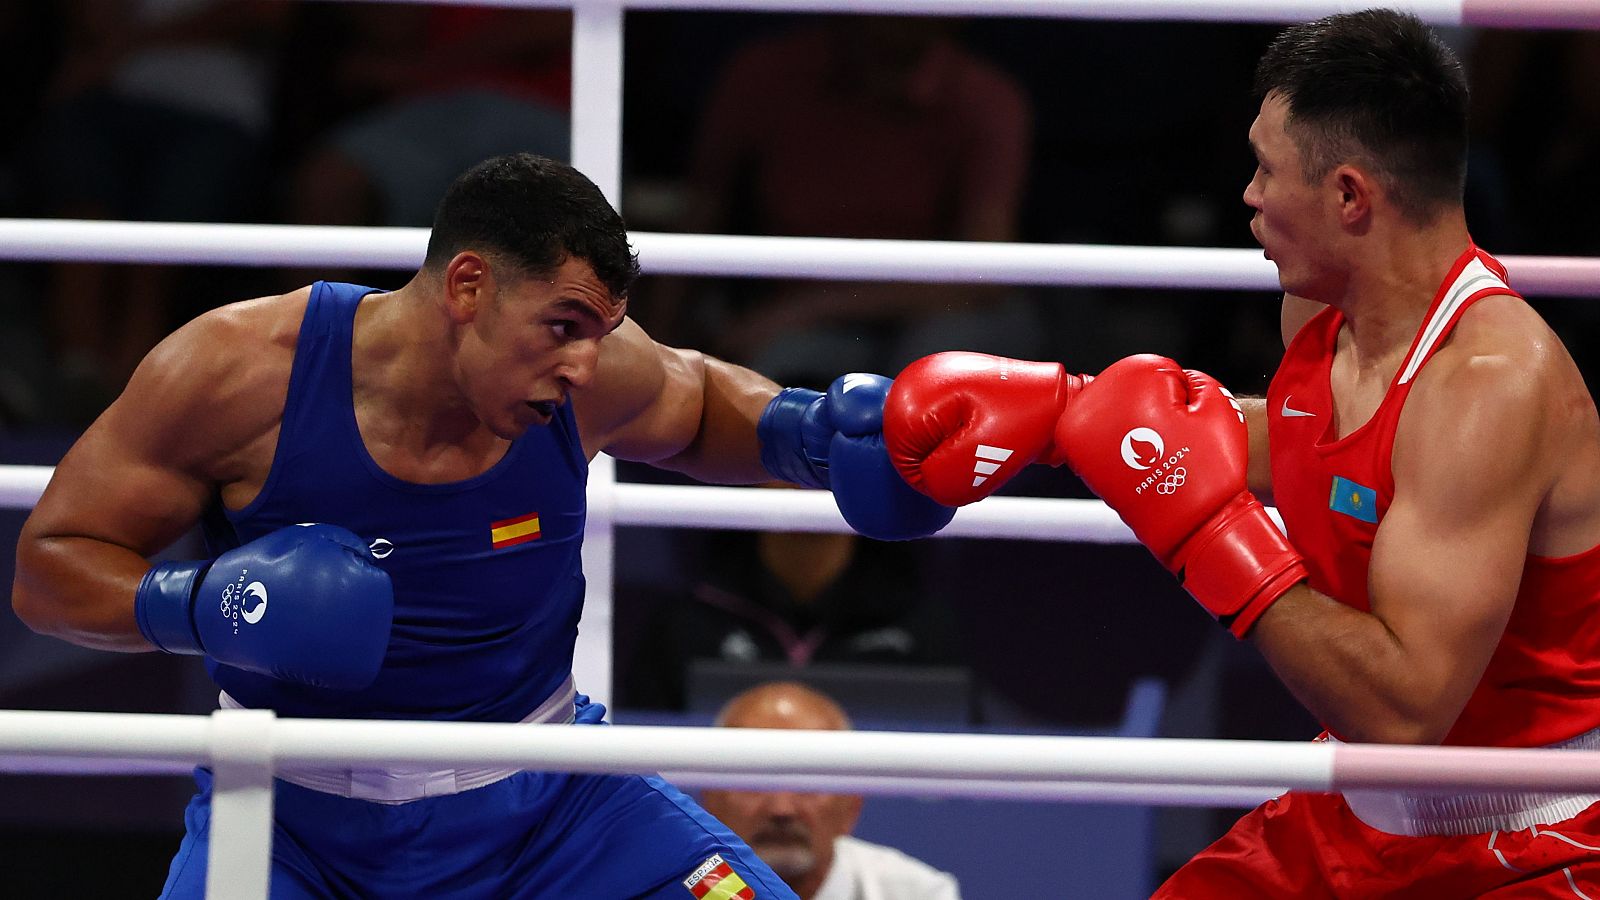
676 506
847 259
245 746
1482 13
1021 766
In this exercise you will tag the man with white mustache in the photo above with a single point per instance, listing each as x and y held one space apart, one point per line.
805 838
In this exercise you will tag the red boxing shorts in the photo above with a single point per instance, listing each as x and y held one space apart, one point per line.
1306 846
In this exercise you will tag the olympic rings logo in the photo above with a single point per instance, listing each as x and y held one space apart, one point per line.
1172 482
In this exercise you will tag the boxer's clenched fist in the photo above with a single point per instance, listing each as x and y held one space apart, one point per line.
959 425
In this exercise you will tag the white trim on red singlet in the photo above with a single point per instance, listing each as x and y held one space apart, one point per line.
1475 277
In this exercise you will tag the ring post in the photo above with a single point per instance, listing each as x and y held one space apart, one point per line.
239 861
597 151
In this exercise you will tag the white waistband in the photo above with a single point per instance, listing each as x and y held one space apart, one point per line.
1434 814
402 784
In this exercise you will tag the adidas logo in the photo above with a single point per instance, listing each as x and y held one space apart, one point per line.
988 462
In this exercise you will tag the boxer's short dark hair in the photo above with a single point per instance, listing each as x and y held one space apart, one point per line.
536 212
1378 88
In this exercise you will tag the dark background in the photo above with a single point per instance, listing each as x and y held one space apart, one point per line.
1137 137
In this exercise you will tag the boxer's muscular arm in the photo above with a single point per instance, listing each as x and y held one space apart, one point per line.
1259 474
676 409
1446 562
136 480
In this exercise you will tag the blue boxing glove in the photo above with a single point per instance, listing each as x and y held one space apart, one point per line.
835 441
331 607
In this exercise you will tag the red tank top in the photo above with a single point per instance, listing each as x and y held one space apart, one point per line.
1542 684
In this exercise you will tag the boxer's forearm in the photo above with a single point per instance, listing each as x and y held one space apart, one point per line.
1352 672
80 590
1260 471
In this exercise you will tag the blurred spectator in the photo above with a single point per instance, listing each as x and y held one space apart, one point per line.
440 88
30 43
1536 128
1531 176
805 838
861 127
158 111
795 597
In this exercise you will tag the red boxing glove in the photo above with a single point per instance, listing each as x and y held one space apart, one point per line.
960 425
1167 449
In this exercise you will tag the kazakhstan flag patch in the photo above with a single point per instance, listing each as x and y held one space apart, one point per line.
1354 500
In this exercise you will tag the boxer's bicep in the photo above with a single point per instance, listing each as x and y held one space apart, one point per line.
725 448
130 486
699 418
643 402
676 409
115 485
1448 558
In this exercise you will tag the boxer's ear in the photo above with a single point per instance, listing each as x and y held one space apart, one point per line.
467 285
1357 189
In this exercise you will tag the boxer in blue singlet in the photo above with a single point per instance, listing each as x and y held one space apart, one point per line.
438 437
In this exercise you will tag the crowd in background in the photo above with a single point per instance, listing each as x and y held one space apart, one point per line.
895 127
904 127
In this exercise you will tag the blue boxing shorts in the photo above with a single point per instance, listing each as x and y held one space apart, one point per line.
532 834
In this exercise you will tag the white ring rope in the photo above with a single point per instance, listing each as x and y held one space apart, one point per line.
890 762
1061 265
675 506
1488 13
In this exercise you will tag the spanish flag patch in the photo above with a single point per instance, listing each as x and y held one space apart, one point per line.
716 880
511 532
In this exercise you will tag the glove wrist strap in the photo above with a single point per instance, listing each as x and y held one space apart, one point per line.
163 606
1241 565
783 452
1271 592
1055 453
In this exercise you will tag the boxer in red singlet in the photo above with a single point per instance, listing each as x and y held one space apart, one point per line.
1432 448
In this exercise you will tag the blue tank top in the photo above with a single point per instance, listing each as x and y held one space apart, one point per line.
487 574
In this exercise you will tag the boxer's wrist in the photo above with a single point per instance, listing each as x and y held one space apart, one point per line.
1240 565
781 431
163 606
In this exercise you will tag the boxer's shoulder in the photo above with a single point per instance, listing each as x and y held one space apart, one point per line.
1502 326
217 386
271 323
237 354
260 329
1500 350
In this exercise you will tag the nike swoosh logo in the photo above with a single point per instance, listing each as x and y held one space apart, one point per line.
853 381
1290 411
